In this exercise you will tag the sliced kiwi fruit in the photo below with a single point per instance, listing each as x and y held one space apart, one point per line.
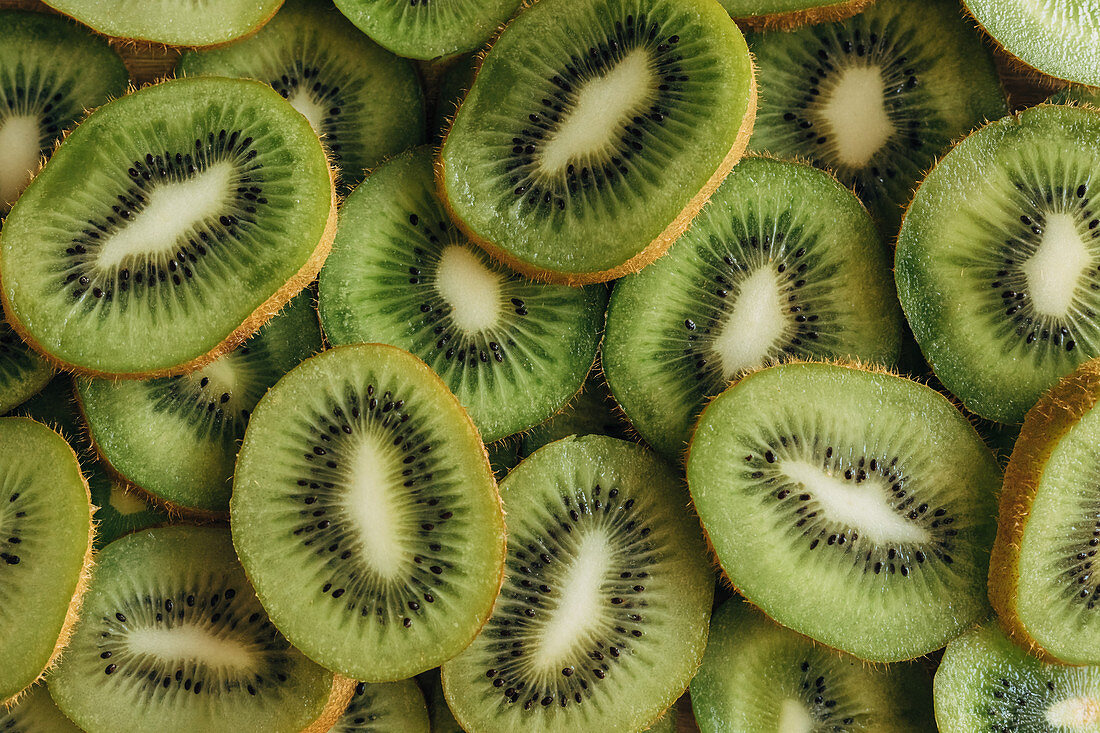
504 455
853 506
23 373
172 638
1077 94
998 262
595 131
513 351
757 676
365 513
875 98
171 225
591 412
364 102
385 707
50 72
442 719
787 14
177 437
783 263
602 618
453 84
45 549
35 712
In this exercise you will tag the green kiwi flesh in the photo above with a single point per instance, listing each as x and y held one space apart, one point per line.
591 412
23 373
784 263
35 712
366 515
513 351
791 13
758 676
595 130
1077 94
385 707
996 264
177 437
170 225
602 618
855 507
442 719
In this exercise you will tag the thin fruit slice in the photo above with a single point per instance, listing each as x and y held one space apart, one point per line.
177 437
875 98
385 707
758 676
443 721
823 486
595 131
513 351
172 638
366 515
170 225
45 549
602 618
783 263
592 412
986 683
23 373
997 262
788 14
35 713
1077 94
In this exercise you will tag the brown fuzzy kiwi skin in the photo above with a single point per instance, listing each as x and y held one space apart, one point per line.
339 698
810 16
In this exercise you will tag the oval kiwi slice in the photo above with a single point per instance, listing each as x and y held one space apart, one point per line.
45 548
23 373
366 515
603 615
385 707
788 14
172 638
513 351
852 506
783 263
595 131
997 262
170 225
35 712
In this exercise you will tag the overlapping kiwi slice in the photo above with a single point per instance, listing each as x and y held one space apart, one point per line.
366 515
783 263
35 712
23 373
758 676
177 437
602 618
385 707
595 131
170 225
875 98
513 351
853 506
1077 94
791 13
591 412
998 262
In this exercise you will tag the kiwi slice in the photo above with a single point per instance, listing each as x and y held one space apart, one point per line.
177 437
997 262
453 84
513 351
595 131
442 719
504 455
853 506
787 14
23 373
385 707
366 515
45 547
783 263
1077 94
875 98
170 225
35 712
50 72
602 618
591 412
757 676
364 102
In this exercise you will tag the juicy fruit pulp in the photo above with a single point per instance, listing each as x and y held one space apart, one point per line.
35 712
385 707
23 373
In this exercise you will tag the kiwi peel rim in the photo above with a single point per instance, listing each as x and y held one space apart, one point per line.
339 698
792 19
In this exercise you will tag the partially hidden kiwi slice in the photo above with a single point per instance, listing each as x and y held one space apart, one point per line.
171 224
35 712
788 14
783 263
757 676
1077 94
23 373
591 412
602 618
177 437
45 549
595 131
366 515
853 506
364 102
997 262
385 707
513 351
875 98
172 638
442 719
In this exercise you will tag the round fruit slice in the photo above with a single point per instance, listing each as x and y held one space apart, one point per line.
177 437
830 487
788 14
23 373
172 638
602 619
366 515
45 546
385 707
997 262
758 676
35 713
595 131
170 225
783 263
513 351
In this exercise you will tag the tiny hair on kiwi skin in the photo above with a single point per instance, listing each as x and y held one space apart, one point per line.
829 11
